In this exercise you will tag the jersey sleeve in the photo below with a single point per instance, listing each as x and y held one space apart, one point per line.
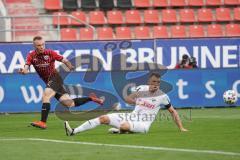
56 56
166 101
29 59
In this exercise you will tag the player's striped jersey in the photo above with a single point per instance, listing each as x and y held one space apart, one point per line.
149 103
44 63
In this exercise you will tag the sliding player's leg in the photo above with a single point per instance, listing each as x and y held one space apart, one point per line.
126 127
113 119
131 124
90 124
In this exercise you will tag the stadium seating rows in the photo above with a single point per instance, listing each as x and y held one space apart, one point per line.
127 4
145 32
150 16
125 19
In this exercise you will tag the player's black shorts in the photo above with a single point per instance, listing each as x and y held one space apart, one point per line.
55 82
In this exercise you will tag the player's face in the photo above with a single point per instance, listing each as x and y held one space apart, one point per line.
39 45
154 84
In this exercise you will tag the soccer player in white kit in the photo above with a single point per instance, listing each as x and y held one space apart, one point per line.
148 99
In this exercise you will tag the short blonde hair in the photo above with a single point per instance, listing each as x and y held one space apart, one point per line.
37 38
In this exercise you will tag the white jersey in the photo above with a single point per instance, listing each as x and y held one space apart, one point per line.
145 112
148 104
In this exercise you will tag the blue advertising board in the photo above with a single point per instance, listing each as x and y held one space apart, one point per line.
218 60
190 88
209 53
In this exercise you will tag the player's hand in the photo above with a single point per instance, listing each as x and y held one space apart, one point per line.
22 71
183 130
71 68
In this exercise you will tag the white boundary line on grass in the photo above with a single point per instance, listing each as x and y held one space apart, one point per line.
124 146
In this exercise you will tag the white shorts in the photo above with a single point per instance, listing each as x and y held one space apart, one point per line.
136 124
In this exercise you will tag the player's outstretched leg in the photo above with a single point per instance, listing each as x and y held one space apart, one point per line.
68 102
95 99
87 125
91 97
69 131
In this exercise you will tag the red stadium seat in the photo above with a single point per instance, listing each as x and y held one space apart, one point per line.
115 17
160 32
105 33
68 34
205 15
196 3
142 32
187 15
169 16
196 31
232 30
86 34
215 30
236 12
80 15
142 3
151 16
52 4
123 33
97 18
178 31
133 17
231 2
177 3
160 3
214 2
60 18
223 14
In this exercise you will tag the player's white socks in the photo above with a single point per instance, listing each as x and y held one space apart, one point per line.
87 125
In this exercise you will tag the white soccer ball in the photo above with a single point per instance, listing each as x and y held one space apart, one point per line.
230 97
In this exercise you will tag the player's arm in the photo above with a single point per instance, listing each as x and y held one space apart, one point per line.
131 99
68 64
60 58
176 118
24 70
136 92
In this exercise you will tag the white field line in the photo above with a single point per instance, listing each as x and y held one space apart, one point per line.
125 146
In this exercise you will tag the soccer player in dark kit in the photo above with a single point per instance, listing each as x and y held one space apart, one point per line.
43 60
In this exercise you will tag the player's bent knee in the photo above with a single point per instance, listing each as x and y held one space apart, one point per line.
125 126
104 119
68 103
46 98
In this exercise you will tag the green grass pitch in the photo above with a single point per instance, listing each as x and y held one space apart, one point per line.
209 130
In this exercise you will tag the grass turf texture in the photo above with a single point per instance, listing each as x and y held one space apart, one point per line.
209 129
